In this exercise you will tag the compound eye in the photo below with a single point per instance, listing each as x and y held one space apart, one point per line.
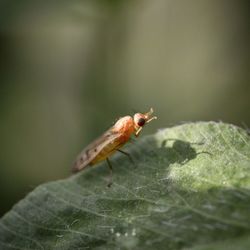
141 122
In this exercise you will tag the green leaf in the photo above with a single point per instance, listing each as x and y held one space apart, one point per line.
188 190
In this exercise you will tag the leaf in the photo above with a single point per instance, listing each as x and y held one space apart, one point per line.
188 190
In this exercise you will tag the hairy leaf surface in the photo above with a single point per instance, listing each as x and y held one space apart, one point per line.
190 189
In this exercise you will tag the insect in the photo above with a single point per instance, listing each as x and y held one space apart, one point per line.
111 141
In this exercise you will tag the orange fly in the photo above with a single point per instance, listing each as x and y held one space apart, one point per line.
112 140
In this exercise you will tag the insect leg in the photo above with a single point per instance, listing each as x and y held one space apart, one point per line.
127 154
138 131
152 118
110 172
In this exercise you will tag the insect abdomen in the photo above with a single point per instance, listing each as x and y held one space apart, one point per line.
106 152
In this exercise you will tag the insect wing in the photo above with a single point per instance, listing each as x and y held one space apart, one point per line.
92 150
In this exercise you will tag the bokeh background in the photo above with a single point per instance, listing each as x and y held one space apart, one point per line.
68 69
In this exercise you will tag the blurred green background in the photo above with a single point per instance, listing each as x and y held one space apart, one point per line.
70 68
